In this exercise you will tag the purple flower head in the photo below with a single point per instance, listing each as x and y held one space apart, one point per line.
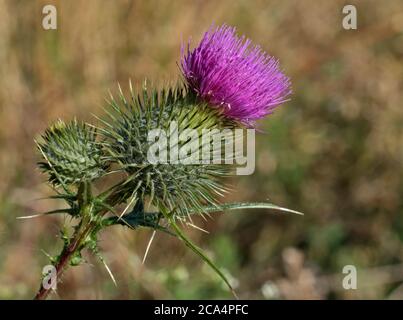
230 73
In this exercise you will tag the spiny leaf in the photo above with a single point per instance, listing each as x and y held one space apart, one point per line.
69 211
134 221
196 249
247 205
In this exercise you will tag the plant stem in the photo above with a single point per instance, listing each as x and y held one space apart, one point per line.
76 245
78 240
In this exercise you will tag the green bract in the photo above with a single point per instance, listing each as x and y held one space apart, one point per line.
173 185
71 153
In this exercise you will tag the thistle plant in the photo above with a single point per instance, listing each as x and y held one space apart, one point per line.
227 84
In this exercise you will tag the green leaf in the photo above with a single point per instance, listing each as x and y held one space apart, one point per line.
147 220
70 211
62 196
243 205
137 218
197 250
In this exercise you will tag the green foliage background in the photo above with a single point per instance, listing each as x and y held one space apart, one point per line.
333 152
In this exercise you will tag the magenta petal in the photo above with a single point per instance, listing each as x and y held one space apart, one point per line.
230 73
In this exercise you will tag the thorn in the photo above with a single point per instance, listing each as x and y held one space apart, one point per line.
48 255
30 217
196 227
148 246
131 86
127 207
109 272
120 89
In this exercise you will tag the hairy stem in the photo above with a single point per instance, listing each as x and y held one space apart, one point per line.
78 241
75 246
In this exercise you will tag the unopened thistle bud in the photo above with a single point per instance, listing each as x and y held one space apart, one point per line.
170 182
71 153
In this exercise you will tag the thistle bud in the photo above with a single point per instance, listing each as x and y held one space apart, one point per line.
71 153
173 181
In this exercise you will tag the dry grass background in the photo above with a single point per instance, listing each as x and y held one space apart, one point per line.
333 152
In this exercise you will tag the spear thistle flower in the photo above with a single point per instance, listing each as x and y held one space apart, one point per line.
232 74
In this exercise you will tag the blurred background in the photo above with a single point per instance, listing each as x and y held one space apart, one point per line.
333 152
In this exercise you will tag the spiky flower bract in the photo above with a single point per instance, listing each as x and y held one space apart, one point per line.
230 73
71 153
171 185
